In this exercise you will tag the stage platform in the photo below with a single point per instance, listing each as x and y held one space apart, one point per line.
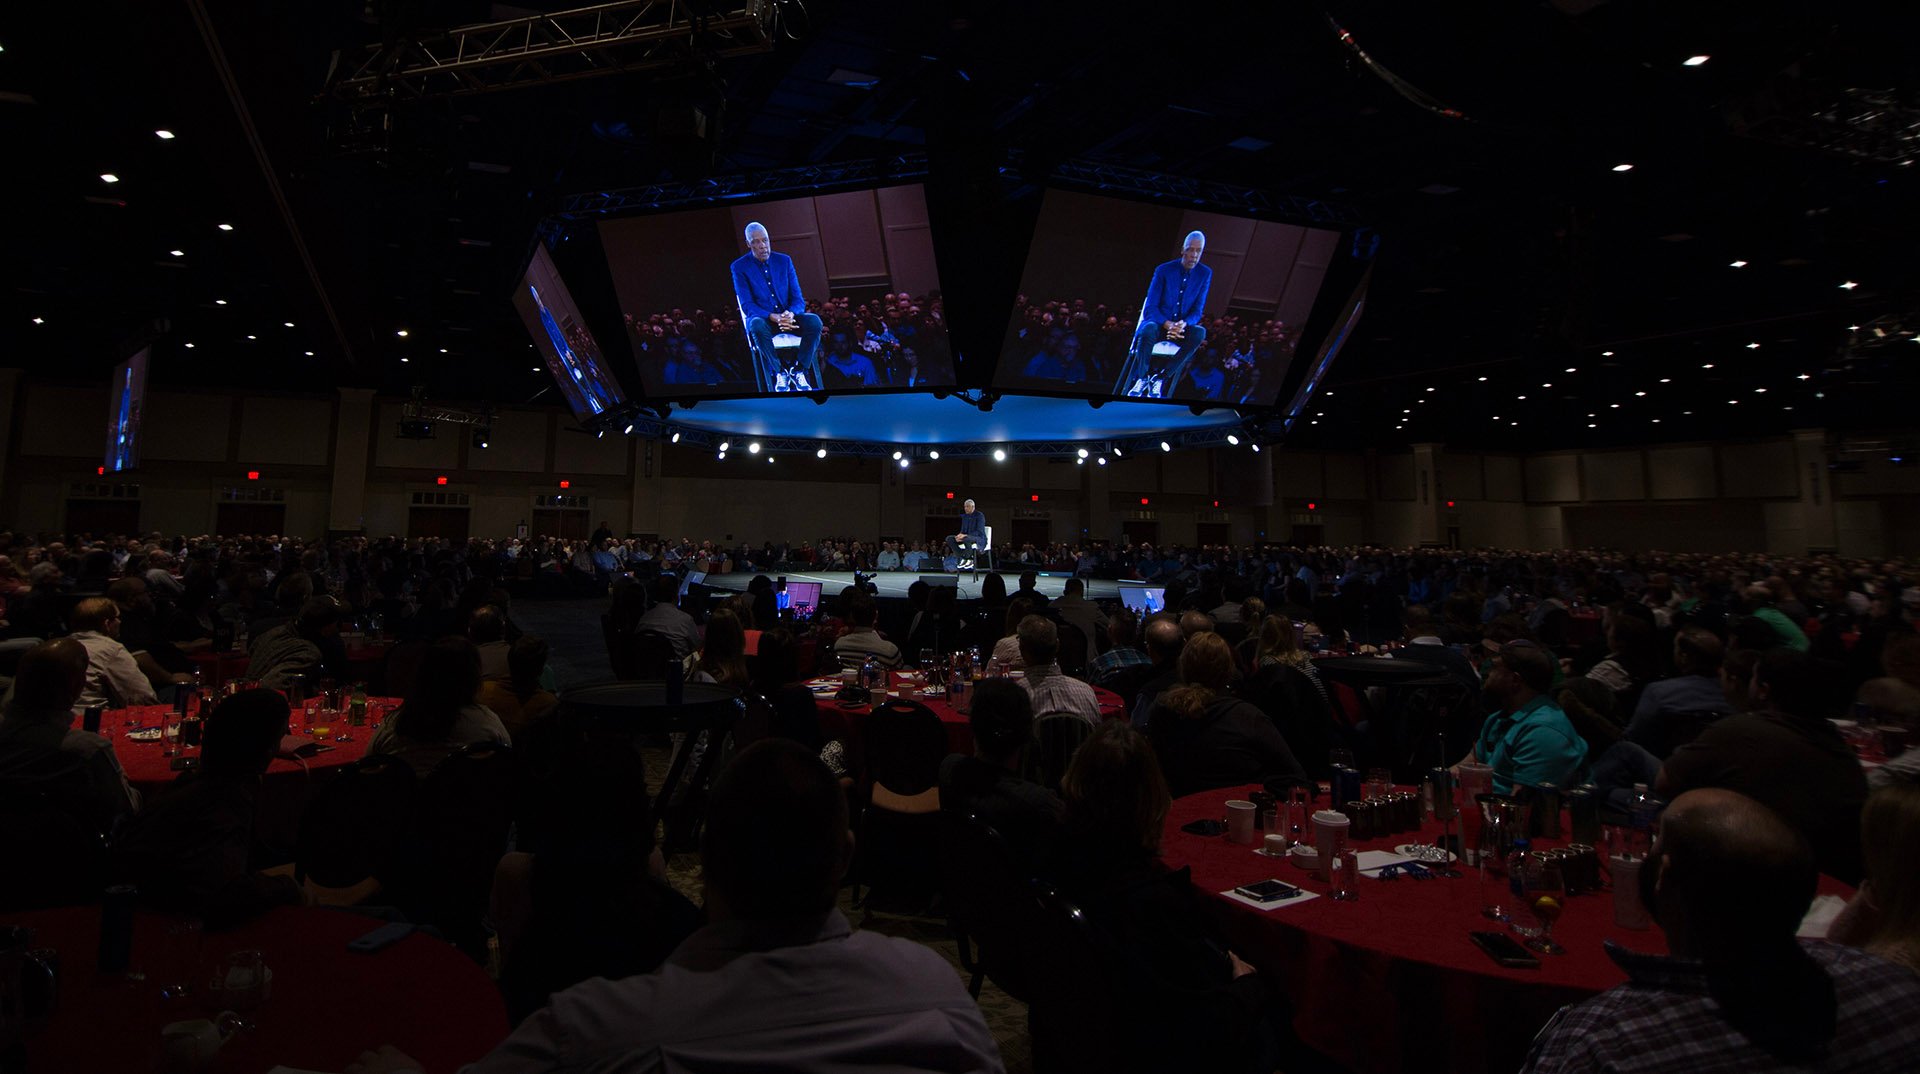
893 584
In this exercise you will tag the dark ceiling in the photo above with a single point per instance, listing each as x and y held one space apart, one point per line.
1479 140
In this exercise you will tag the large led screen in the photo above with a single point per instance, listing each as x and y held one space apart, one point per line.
832 292
126 403
561 337
1143 301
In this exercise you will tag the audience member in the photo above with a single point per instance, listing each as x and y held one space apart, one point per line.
1123 652
40 747
440 714
1164 645
114 679
862 641
1672 712
519 700
988 784
1785 755
777 978
1006 651
723 658
667 620
1884 916
294 649
1728 882
1073 607
778 679
487 629
191 849
1527 740
1053 692
1207 738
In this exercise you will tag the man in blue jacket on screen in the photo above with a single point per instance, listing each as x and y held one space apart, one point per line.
1176 297
770 302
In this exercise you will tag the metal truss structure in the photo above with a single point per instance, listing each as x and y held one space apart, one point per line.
559 46
417 410
809 177
1225 197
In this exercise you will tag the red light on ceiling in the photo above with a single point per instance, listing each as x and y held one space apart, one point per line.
1449 503
1143 501
1036 497
440 480
1313 507
253 475
566 484
949 495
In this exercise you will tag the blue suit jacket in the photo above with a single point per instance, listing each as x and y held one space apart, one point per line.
750 286
974 525
1165 302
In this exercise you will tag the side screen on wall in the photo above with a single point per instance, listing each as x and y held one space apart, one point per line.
561 337
1158 302
832 292
126 405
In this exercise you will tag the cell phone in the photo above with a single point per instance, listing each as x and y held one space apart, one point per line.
384 936
1505 950
1267 891
1204 826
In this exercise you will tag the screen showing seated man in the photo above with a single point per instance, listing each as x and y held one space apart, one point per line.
561 337
1147 301
126 402
835 292
801 597
1144 600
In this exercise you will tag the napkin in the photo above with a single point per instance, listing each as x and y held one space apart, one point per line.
1304 896
1820 916
1379 859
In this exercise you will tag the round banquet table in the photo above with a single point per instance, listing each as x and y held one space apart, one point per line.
327 1003
1392 980
284 791
835 716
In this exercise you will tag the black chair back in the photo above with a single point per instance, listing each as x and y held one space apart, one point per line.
54 857
1073 650
401 667
905 743
462 817
651 654
356 826
640 710
1298 710
622 656
990 903
1056 737
1128 680
1077 1017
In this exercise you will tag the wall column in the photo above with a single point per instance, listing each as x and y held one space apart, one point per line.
893 505
1429 514
352 436
644 506
9 403
1818 517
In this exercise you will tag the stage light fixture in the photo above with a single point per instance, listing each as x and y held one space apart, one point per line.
1083 453
904 462
1164 446
896 456
820 454
1623 167
599 433
753 448
724 445
1232 439
674 439
722 456
1080 462
628 430
177 253
109 177
999 454
226 227
934 455
164 135
1256 447
480 438
1694 61
1103 460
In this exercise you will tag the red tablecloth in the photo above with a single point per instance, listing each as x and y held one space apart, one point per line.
288 785
834 715
1392 979
327 1003
216 668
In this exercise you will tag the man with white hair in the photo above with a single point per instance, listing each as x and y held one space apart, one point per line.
973 534
770 301
1176 298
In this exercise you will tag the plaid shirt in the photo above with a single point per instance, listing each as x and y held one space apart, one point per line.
1113 661
1054 692
1662 1020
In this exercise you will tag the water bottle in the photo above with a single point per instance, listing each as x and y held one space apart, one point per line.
870 674
1640 822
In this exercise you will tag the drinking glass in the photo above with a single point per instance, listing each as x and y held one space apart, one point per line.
1340 758
1543 893
240 982
1379 783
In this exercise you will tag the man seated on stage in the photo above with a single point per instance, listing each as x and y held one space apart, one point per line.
973 534
770 300
1176 297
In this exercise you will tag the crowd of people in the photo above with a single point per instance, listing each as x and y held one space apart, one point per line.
1070 343
894 340
1714 682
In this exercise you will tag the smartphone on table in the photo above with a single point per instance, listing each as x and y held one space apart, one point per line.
1267 891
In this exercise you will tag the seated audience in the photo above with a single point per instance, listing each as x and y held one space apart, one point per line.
1279 643
40 747
1006 651
1884 916
778 679
988 784
667 620
1728 883
1074 607
1164 645
1672 712
862 640
723 657
1528 740
1195 1004
440 713
487 629
1207 738
190 850
1052 690
519 700
294 648
114 679
162 662
777 979
1785 755
1123 651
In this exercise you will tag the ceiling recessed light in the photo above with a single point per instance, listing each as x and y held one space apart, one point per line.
1753 346
1571 369
820 453
1430 389
1849 285
1759 391
1709 365
1804 376
1733 402
189 346
1853 328
1614 406
1483 380
1623 167
1737 264
536 369
109 177
164 135
1693 61
253 337
309 354
219 301
1591 425
401 332
288 324
1639 395
404 361
1666 380
39 320
226 227
1546 385
1520 397
1606 354
1656 421
177 253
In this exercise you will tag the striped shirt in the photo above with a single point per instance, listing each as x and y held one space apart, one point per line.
1053 691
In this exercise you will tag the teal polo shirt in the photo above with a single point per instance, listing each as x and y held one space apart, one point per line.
1532 746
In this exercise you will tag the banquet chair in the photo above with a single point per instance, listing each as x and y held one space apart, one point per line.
637 712
984 551
462 817
1076 1017
53 856
353 834
904 742
1298 712
991 908
1073 649
772 372
1056 737
622 652
652 652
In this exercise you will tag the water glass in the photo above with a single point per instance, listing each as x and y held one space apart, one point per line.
1379 783
241 982
1543 892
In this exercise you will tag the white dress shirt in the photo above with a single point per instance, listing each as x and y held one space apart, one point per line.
113 679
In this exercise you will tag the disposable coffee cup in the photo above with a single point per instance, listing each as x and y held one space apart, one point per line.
1329 835
1240 821
1628 911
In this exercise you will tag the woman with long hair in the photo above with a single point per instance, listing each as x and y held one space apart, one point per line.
440 713
1007 650
1279 643
723 657
1884 917
1207 738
